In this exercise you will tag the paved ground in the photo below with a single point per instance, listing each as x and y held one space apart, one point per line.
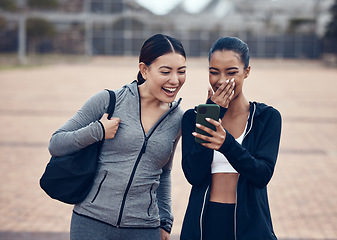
36 101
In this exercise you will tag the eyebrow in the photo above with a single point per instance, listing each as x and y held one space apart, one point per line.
231 68
170 67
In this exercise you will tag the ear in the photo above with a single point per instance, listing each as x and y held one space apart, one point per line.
247 71
143 69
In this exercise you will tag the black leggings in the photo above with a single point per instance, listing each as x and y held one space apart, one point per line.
219 221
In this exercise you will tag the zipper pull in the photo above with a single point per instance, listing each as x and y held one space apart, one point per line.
144 146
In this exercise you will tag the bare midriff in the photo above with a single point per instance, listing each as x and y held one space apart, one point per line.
223 188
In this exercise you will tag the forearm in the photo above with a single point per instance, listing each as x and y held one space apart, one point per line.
68 142
82 129
196 159
257 166
165 201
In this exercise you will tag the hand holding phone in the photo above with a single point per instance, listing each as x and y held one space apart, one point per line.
206 111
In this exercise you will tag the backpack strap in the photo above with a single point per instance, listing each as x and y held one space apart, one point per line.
112 103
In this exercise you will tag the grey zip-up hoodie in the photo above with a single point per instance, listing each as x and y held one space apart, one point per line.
133 185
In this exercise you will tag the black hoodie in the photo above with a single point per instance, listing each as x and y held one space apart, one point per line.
254 160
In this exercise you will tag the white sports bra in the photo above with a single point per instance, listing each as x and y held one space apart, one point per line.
220 163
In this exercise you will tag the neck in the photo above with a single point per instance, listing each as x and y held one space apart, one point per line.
147 99
238 105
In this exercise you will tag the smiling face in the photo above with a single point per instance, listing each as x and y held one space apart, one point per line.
224 65
165 76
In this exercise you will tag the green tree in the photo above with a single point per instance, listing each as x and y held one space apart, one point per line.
38 29
331 30
43 4
8 5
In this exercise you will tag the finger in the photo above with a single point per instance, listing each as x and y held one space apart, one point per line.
117 120
206 129
212 121
228 88
222 88
105 115
209 93
201 136
231 96
219 129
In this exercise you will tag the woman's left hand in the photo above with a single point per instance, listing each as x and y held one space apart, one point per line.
217 137
164 235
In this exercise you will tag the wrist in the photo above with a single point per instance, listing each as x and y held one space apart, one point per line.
166 226
103 129
223 110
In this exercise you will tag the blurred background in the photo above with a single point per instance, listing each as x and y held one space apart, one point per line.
55 54
302 29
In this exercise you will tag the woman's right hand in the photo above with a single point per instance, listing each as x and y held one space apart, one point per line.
224 93
216 138
110 126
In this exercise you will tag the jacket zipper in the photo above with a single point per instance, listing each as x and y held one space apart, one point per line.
236 205
202 211
142 151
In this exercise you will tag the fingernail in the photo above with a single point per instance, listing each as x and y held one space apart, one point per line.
208 119
232 80
198 125
194 134
227 81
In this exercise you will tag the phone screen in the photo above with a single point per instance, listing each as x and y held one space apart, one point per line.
206 111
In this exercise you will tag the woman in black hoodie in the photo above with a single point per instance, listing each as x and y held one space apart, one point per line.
229 175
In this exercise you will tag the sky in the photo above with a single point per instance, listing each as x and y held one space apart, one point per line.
162 7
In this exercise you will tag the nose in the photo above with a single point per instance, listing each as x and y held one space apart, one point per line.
174 79
222 79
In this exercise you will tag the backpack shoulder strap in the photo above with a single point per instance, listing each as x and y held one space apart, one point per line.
112 103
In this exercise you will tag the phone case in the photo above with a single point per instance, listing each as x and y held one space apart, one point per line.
206 111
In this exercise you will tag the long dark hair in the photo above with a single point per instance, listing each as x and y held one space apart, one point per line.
231 44
156 46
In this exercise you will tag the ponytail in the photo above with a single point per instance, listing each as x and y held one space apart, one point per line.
140 78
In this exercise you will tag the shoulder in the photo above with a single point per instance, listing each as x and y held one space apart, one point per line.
179 111
100 98
189 115
188 120
266 114
266 110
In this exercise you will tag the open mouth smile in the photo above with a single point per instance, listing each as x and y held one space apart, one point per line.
169 90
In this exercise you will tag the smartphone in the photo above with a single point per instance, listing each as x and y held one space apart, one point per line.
206 111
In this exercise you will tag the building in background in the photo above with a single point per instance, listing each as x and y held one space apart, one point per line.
272 28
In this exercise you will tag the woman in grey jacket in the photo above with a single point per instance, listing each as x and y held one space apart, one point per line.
229 175
131 194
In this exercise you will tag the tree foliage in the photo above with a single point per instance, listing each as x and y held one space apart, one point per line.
43 4
38 28
8 5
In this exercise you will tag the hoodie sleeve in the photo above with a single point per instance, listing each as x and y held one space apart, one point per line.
196 159
83 128
258 167
164 193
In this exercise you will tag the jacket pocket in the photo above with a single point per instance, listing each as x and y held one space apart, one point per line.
99 187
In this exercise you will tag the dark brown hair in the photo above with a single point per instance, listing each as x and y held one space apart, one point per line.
156 46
